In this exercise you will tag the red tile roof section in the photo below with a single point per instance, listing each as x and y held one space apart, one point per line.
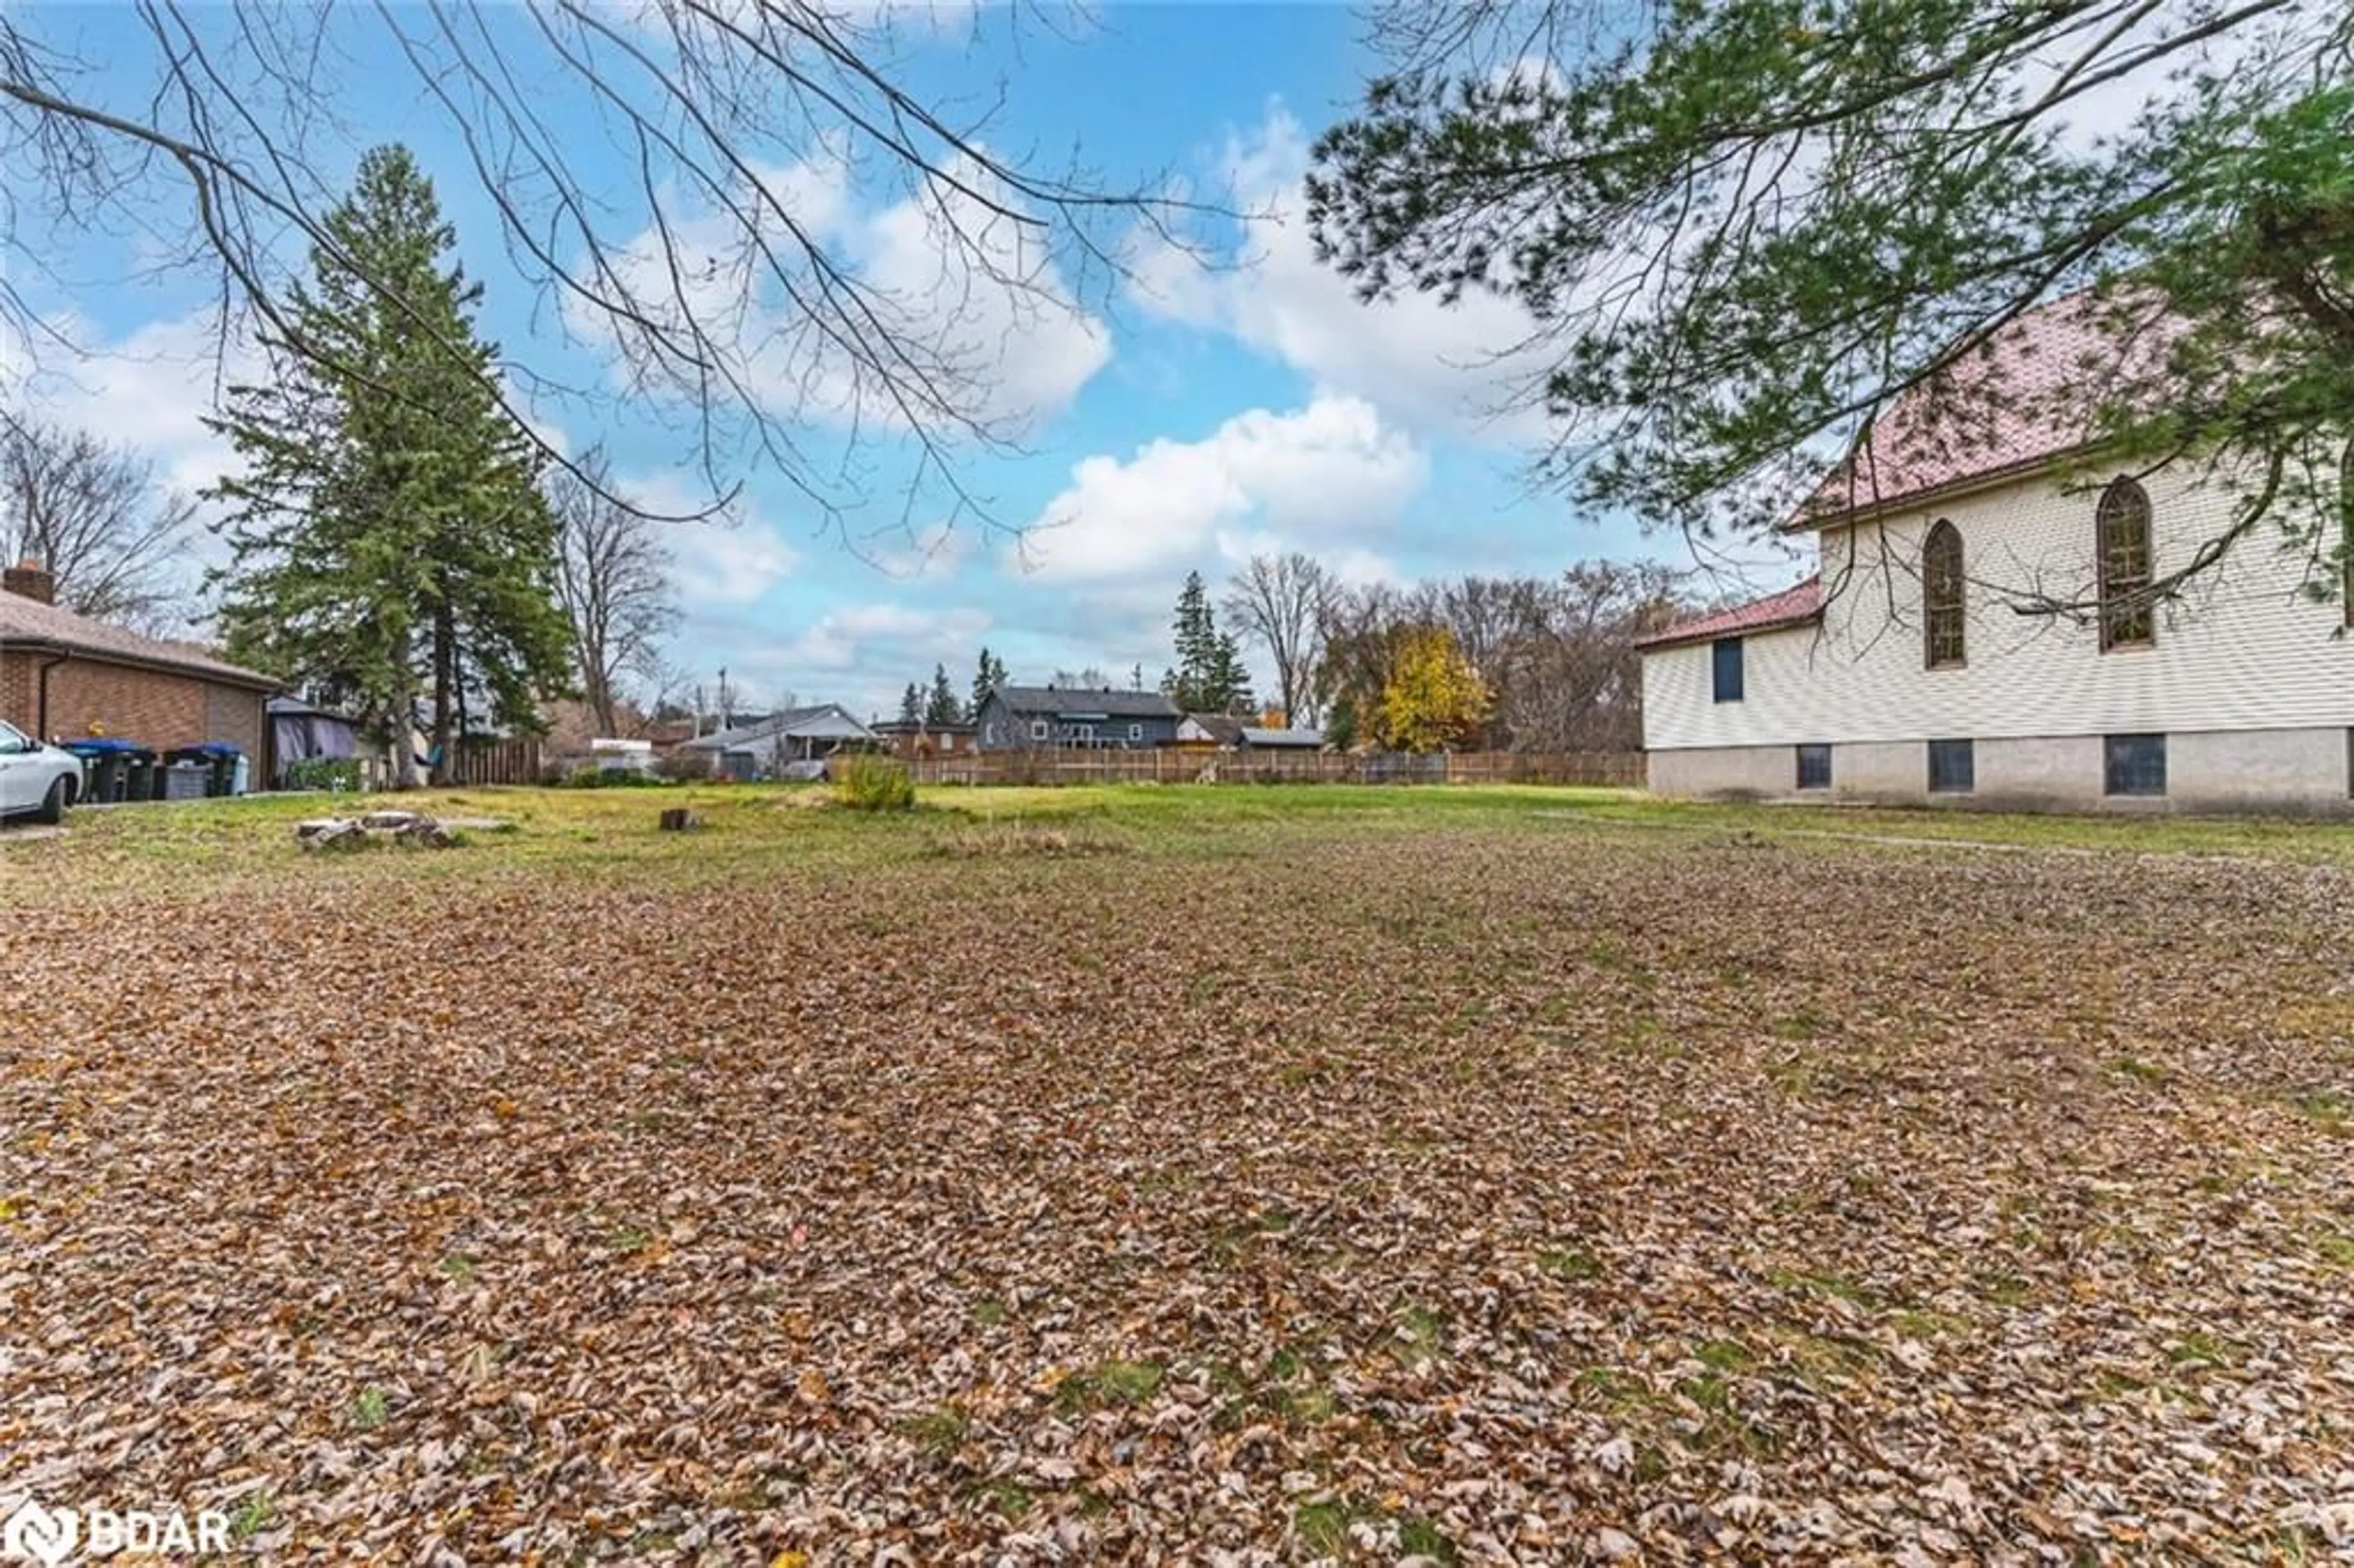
2011 405
1791 606
29 622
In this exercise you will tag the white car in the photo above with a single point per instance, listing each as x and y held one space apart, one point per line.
34 778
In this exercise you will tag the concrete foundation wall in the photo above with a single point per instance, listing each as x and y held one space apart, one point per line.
1720 772
2303 772
2297 771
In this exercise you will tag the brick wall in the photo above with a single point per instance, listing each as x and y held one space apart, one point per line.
150 707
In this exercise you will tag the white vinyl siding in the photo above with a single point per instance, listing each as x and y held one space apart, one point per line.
2247 648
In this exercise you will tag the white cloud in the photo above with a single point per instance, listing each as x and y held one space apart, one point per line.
729 559
1325 478
893 637
150 391
1431 368
987 320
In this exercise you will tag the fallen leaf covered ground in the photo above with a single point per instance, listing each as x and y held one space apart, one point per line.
1222 1183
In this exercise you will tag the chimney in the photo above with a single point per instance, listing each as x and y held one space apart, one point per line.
27 580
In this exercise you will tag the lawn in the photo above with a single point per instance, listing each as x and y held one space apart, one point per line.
1474 1175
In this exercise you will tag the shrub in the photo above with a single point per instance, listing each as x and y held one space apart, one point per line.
324 773
875 784
595 778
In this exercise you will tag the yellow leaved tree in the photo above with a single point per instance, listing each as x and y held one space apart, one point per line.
1434 700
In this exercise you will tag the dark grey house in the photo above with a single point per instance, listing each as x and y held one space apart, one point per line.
1016 718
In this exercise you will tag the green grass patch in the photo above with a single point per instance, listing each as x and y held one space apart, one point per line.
1322 1527
2331 1112
1010 1498
1421 1334
1572 1263
251 1516
1837 1285
2203 1350
1418 1537
1109 1383
940 1430
1804 1024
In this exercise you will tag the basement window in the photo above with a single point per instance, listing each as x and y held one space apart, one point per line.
2134 765
1815 767
1953 766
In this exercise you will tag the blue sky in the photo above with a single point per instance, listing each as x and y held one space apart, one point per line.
1176 418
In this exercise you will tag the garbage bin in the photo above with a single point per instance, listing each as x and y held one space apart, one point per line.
105 766
143 779
185 780
217 759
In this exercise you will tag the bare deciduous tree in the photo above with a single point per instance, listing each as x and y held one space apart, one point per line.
1569 679
1280 603
93 514
1557 655
614 579
708 269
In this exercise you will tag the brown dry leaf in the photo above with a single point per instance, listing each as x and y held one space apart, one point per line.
1438 1177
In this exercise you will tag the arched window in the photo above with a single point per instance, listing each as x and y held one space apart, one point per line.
1942 607
2127 617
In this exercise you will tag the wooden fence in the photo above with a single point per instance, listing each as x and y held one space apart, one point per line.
498 762
1605 770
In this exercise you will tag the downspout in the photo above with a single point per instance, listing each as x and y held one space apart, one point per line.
41 697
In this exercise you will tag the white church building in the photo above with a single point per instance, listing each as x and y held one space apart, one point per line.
1922 663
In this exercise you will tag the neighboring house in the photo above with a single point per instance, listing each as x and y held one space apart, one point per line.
798 734
1218 732
1209 732
1018 717
64 676
1254 738
1917 665
914 741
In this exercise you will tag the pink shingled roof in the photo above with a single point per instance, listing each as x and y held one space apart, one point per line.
2014 403
1791 606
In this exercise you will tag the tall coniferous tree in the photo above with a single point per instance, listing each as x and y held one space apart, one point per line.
988 675
389 539
1196 637
942 707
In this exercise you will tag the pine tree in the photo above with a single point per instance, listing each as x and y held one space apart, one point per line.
943 708
1197 648
987 677
911 706
1228 690
388 538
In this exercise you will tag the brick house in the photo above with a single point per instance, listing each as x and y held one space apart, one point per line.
922 740
61 673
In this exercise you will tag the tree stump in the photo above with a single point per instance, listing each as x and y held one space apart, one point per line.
679 820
